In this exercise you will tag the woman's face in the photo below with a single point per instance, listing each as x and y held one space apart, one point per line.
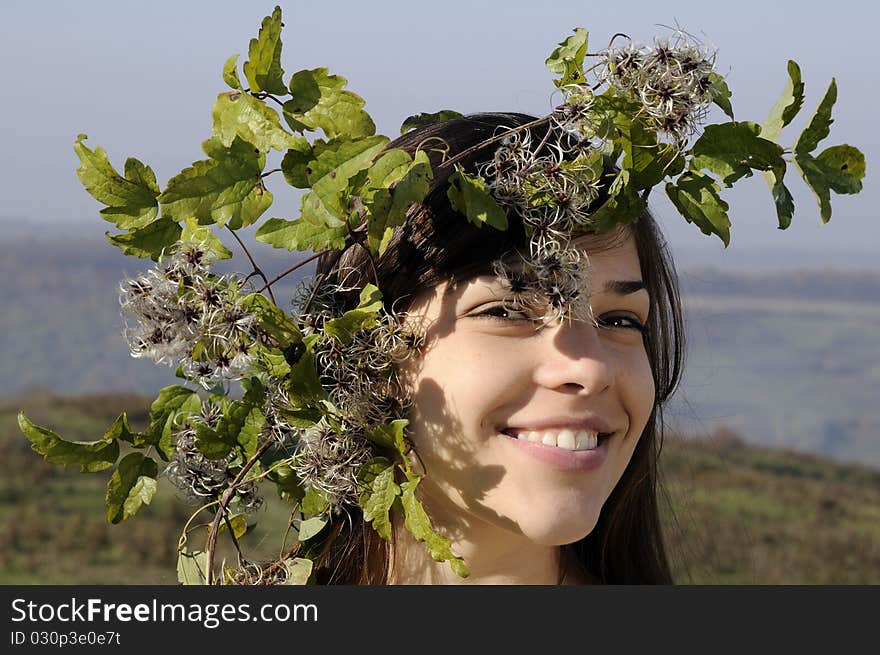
504 413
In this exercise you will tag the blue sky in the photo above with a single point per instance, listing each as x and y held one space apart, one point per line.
140 79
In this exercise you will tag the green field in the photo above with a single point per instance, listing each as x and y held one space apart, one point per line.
736 514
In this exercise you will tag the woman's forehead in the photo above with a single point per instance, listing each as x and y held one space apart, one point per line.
608 260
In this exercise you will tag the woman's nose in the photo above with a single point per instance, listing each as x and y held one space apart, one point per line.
575 360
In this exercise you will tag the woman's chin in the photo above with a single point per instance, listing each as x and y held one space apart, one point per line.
561 528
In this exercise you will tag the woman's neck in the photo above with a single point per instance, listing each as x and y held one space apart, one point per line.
494 556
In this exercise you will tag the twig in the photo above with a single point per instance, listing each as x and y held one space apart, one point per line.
292 269
257 269
221 510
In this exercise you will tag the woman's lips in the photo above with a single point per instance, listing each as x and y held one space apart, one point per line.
559 458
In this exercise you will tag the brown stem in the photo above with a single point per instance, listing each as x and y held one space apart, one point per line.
274 170
241 556
221 510
257 269
292 269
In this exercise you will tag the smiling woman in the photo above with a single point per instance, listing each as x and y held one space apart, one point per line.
470 389
538 436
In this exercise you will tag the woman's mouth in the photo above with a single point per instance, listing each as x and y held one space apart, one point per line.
564 438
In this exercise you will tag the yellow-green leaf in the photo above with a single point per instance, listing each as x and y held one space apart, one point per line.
230 73
470 196
131 199
787 106
192 567
152 240
132 485
378 493
89 456
419 525
320 101
298 570
241 114
226 188
263 68
567 60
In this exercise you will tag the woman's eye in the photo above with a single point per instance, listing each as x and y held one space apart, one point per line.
505 313
622 321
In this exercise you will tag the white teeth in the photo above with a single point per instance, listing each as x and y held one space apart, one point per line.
564 438
586 440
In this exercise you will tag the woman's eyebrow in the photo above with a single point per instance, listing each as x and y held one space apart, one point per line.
624 287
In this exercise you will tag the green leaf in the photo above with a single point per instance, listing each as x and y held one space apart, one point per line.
388 207
248 437
310 527
132 485
788 105
295 165
227 188
820 123
648 161
839 169
732 150
192 567
378 493
697 198
363 317
321 101
335 163
304 383
844 168
90 456
151 241
273 320
238 114
298 570
419 525
816 178
470 196
120 430
230 73
390 435
417 121
171 401
720 93
131 199
202 234
313 503
303 234
263 68
567 60
782 199
272 361
389 168
623 207
238 522
240 425
288 484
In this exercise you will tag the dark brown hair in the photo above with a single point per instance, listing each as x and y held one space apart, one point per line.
437 244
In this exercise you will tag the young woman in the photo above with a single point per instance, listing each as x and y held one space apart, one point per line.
538 440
